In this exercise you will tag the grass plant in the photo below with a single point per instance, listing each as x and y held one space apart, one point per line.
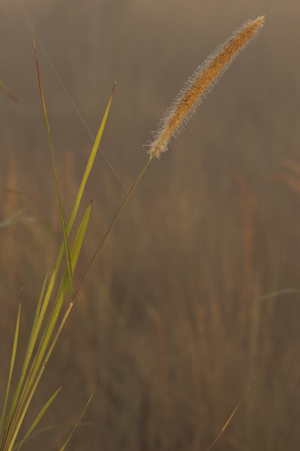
46 332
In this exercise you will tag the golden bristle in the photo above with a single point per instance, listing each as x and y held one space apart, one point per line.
200 84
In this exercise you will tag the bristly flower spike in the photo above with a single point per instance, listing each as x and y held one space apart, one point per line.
200 84
184 106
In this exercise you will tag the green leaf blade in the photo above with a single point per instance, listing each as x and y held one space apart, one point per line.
62 218
12 363
75 427
40 415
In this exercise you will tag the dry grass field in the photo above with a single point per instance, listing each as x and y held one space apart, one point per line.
196 294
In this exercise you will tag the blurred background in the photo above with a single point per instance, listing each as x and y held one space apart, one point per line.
175 316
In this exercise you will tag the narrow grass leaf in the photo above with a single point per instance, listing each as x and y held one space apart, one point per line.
60 297
50 428
40 415
12 363
229 419
74 211
80 236
78 422
62 218
40 360
74 255
20 417
64 282
90 163
32 341
14 413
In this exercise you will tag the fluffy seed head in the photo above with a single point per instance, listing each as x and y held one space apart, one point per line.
200 84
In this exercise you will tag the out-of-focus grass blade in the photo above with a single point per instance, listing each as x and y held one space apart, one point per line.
12 362
50 428
62 218
39 416
13 219
229 419
16 218
277 293
8 91
62 449
14 191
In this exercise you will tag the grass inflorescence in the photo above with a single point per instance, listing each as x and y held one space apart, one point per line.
200 84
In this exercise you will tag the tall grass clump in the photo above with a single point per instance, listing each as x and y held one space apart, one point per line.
46 332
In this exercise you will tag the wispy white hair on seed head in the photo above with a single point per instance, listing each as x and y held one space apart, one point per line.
200 84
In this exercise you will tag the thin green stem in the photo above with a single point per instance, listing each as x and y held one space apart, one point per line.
110 228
